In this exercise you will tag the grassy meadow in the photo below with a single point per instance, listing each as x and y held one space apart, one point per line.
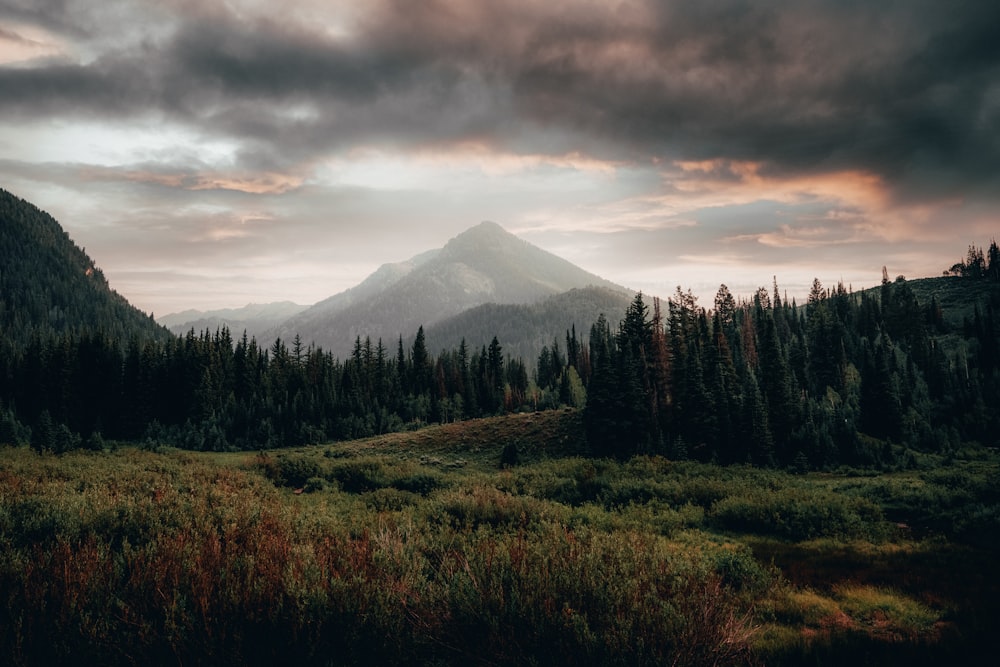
490 542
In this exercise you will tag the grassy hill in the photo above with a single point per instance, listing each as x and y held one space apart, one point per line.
480 442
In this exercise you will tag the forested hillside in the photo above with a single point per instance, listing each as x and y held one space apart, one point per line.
845 379
48 285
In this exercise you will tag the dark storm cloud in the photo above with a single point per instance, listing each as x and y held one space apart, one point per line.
818 86
904 90
901 90
239 77
56 15
67 89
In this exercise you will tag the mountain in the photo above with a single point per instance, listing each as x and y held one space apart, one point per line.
254 318
484 264
316 318
48 284
523 329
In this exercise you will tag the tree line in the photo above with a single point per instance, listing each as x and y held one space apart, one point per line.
209 391
978 265
850 378
847 378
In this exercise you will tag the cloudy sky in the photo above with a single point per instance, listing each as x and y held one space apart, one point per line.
214 153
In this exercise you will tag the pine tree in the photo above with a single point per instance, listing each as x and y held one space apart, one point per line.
603 405
756 425
993 262
725 390
420 366
776 384
573 347
881 409
725 307
43 435
494 380
659 370
825 350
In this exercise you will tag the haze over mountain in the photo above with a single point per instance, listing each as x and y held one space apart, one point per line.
523 329
485 264
254 318
48 284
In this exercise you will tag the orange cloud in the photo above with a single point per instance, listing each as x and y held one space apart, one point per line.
272 183
862 205
734 182
251 183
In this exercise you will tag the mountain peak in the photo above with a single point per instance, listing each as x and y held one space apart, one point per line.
483 264
487 226
484 231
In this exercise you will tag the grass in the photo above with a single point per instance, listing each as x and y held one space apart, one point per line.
886 612
420 548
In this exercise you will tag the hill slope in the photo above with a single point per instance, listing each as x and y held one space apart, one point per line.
48 284
539 435
484 264
958 297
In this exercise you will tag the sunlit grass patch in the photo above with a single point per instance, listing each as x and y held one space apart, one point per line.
851 615
808 608
887 613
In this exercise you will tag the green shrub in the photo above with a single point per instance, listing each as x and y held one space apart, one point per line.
314 484
739 570
799 514
295 471
421 483
390 499
359 475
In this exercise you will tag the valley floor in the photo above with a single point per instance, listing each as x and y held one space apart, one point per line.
423 548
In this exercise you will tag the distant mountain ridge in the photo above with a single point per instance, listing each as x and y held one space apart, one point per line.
254 318
48 284
484 264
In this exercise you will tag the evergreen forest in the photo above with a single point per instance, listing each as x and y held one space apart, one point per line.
848 378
